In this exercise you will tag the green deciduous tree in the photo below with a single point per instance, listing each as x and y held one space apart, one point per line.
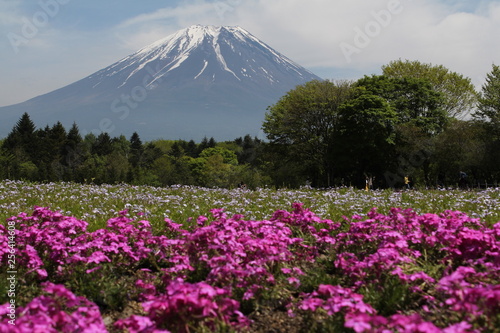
366 136
414 100
228 156
458 91
420 117
301 125
216 167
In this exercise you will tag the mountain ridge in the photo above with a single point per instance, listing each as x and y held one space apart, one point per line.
199 81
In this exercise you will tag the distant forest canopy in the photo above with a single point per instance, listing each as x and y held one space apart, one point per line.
416 121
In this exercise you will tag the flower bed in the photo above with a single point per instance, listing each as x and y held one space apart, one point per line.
395 272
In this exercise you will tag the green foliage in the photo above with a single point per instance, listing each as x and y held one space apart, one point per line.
461 147
62 155
458 91
27 170
488 113
302 124
489 101
21 141
414 100
366 137
215 167
228 156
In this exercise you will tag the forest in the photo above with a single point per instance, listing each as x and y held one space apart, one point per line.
416 121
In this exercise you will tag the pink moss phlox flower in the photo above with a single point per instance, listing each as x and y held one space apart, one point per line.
97 257
175 227
201 220
34 262
138 324
419 276
367 323
364 322
311 303
336 299
238 217
468 298
185 302
218 213
294 281
462 327
411 324
148 289
59 310
240 253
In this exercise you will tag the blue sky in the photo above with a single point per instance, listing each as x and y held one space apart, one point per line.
47 44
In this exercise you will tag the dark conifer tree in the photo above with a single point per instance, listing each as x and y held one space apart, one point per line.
206 143
55 147
22 139
151 153
136 150
191 149
74 138
203 145
212 143
176 151
103 145
249 147
57 136
489 102
73 152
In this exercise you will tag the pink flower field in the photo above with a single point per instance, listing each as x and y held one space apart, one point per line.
295 272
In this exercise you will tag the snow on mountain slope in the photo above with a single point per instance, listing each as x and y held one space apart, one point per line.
202 80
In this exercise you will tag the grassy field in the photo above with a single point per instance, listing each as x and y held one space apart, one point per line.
121 258
96 204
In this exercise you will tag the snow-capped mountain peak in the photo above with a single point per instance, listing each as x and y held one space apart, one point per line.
217 43
201 80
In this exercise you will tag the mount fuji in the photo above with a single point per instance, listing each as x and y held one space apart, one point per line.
200 81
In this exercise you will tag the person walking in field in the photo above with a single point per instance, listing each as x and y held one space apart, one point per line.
369 183
407 182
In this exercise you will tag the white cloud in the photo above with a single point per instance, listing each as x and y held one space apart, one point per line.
10 13
440 33
144 29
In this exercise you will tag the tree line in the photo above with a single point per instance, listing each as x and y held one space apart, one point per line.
416 121
55 154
